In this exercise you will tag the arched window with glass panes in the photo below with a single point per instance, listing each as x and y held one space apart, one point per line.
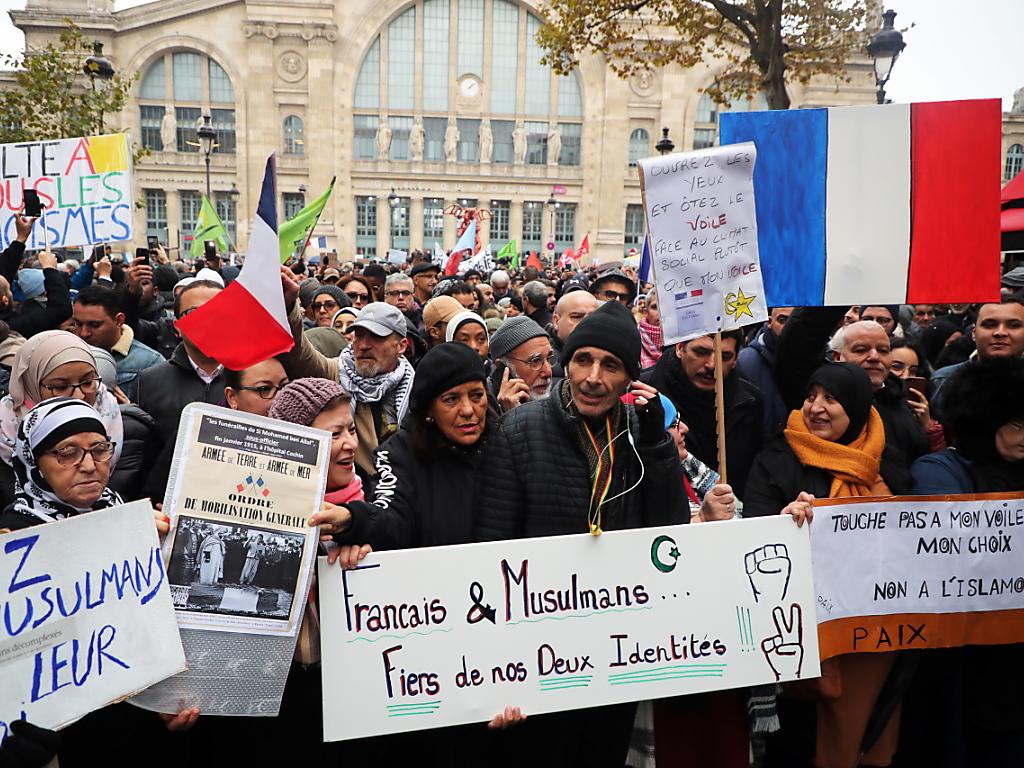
1014 161
705 121
543 102
185 85
639 146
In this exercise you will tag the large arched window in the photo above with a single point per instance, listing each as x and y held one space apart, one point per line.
1014 161
498 88
175 91
294 135
705 121
639 146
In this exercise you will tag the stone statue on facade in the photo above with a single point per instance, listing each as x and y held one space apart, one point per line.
416 139
383 139
486 141
451 141
519 144
554 145
1018 102
169 130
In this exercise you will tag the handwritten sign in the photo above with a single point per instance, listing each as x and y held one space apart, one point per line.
918 572
436 637
703 228
87 616
84 184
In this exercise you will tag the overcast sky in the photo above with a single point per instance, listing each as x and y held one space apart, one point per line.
955 50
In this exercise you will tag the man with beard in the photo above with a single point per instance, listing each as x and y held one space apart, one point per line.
757 365
687 378
578 461
373 368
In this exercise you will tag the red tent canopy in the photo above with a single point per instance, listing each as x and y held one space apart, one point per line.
1011 218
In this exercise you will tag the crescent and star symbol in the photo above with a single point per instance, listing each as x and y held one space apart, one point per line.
738 304
673 553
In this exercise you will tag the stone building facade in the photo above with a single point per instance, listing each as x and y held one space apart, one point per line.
439 101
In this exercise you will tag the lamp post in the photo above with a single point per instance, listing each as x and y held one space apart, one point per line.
98 66
302 191
885 47
665 145
207 143
392 204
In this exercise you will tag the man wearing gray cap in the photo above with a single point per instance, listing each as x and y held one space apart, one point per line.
523 352
373 369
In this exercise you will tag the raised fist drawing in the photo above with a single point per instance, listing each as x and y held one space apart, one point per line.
768 569
785 650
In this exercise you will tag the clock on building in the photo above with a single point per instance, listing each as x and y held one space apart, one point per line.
469 87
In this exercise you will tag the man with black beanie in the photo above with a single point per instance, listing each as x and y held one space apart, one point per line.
582 460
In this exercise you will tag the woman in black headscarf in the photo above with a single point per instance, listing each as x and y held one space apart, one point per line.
965 709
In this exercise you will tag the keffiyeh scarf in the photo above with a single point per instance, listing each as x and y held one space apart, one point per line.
391 390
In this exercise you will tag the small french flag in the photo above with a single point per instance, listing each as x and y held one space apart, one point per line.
892 204
247 323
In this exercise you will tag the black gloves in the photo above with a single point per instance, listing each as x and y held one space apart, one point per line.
28 746
652 422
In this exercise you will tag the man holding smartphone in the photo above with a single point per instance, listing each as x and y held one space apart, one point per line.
32 317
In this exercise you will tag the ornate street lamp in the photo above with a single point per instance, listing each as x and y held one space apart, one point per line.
207 143
885 47
98 66
665 145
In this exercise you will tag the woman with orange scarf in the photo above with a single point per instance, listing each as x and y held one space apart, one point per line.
833 447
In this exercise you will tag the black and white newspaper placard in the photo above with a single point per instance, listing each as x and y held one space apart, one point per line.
239 555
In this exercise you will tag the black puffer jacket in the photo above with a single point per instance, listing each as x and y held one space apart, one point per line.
165 389
744 415
418 502
537 481
778 477
139 447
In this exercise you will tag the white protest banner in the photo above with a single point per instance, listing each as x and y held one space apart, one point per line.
87 613
84 184
918 572
425 638
239 556
397 257
703 228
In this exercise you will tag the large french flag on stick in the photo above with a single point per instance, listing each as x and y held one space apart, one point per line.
892 204
247 323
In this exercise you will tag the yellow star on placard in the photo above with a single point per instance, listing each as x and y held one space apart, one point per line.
738 304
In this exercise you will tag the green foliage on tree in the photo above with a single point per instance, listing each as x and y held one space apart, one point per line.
763 43
52 98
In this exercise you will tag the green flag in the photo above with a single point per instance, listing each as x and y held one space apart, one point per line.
508 250
294 233
209 227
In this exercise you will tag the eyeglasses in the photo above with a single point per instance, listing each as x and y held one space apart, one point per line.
398 294
329 304
66 389
357 296
611 295
266 391
898 366
72 455
536 362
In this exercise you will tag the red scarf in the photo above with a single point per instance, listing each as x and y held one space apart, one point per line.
351 492
651 342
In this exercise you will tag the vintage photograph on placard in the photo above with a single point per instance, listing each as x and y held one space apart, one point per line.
232 569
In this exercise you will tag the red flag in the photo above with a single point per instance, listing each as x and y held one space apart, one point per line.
534 261
584 249
454 259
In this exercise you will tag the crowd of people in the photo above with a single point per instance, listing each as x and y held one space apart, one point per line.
519 403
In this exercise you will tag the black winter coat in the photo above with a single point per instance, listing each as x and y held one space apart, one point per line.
417 502
140 446
537 482
165 390
778 477
744 416
33 317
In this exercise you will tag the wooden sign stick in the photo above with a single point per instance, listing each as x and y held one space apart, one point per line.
720 408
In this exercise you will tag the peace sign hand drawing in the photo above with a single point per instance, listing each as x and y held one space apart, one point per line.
785 650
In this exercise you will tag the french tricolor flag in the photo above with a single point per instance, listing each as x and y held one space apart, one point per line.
891 204
247 323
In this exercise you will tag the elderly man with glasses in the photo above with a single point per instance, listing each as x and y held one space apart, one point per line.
522 350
